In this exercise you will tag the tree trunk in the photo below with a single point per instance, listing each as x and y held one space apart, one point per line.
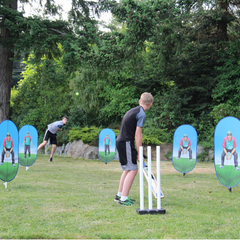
223 24
6 68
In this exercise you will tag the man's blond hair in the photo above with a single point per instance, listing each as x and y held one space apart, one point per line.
146 98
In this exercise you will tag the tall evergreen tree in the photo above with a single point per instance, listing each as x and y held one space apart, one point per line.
6 61
24 35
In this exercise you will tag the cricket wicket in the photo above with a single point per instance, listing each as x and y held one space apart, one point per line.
150 209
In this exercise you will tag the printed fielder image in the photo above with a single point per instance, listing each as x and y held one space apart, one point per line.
184 156
226 149
28 143
229 146
8 149
107 145
185 146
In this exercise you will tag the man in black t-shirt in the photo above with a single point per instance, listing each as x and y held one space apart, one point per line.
131 129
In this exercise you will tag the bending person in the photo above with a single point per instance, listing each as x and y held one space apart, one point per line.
185 144
7 149
229 145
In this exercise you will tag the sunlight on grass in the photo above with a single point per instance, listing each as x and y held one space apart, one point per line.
73 198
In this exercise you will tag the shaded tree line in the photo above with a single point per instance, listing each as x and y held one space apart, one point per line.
185 52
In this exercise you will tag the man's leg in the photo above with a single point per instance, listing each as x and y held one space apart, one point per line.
128 161
42 145
45 140
122 179
105 150
54 146
128 181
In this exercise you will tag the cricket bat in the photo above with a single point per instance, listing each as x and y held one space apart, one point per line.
154 181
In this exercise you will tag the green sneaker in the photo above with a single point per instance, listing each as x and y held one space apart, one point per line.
132 200
127 202
117 198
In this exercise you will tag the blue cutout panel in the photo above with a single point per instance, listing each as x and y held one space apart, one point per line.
107 145
9 161
227 136
28 143
184 160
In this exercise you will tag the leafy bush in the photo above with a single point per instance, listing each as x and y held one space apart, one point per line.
89 135
157 134
86 134
224 110
62 137
202 156
116 132
114 126
34 102
40 140
168 155
151 140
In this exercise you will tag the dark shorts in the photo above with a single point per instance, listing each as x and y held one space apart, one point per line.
127 155
52 136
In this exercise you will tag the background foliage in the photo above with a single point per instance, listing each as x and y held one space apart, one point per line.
186 53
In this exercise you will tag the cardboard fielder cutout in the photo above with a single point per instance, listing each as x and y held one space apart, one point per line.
107 145
226 151
184 156
8 150
28 143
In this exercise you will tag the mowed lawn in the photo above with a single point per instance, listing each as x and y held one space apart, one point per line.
73 198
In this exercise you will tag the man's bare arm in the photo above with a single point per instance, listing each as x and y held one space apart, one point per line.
138 139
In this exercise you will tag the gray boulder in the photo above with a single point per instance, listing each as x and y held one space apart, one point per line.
116 157
67 148
91 152
60 150
199 149
77 149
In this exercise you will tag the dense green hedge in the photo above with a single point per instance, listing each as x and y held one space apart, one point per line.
89 135
86 134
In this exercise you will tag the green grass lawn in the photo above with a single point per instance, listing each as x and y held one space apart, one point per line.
183 165
228 175
7 171
107 158
27 161
73 198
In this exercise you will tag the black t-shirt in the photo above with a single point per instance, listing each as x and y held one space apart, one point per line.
133 118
